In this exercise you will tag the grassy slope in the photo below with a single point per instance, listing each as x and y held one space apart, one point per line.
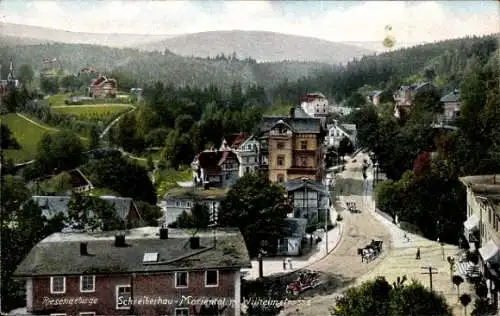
58 99
27 135
88 111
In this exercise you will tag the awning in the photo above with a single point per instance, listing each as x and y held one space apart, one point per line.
472 222
489 251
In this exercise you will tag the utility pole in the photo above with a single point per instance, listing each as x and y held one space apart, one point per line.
430 272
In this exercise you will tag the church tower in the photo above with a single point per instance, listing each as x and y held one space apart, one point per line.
10 76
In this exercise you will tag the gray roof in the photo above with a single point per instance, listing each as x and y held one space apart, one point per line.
453 96
296 184
298 124
52 205
300 113
59 254
294 227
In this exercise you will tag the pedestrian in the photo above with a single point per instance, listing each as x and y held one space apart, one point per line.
290 263
418 254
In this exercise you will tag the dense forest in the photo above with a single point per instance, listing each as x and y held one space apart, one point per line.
424 163
446 60
184 121
148 67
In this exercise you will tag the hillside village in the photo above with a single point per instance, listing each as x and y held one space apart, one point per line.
117 190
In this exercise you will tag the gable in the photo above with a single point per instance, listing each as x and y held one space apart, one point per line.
281 128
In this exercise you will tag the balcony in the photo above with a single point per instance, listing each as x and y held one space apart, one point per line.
303 169
277 133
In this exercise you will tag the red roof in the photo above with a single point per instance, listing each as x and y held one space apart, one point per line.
235 140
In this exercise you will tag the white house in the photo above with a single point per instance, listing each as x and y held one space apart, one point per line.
315 104
336 132
248 154
246 149
342 110
178 200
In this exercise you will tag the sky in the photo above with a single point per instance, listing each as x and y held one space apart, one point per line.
411 21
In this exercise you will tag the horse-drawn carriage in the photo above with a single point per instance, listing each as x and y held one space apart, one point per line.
371 251
306 280
351 206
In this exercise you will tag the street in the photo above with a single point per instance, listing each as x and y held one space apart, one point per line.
359 230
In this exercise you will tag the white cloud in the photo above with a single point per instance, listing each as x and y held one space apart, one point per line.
426 21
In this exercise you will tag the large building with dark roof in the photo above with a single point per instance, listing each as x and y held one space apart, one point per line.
292 147
147 271
482 227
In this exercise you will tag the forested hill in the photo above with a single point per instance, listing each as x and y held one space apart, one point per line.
446 60
165 66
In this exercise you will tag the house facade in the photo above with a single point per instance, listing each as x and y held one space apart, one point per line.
294 232
178 200
247 150
405 95
482 227
315 104
451 107
292 147
342 110
310 199
373 97
125 208
216 168
336 132
103 87
148 271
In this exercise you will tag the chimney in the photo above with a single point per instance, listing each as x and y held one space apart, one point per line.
194 242
292 112
164 233
120 240
83 249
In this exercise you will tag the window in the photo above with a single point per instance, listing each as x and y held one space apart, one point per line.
303 161
280 145
87 283
303 144
57 285
211 278
281 178
177 203
181 279
87 314
247 170
281 160
123 296
188 204
184 311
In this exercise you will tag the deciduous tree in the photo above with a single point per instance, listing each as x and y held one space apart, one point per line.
257 207
378 297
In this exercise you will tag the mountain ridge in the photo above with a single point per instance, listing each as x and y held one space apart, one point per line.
259 45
